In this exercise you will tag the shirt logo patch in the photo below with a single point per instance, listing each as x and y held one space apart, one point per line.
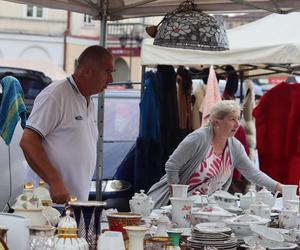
79 117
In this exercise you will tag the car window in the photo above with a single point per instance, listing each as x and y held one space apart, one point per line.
121 119
121 127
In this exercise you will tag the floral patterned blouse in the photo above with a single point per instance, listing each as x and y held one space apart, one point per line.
212 173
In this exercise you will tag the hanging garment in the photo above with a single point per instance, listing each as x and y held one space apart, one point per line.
278 133
169 120
199 94
12 107
142 166
184 99
211 97
248 121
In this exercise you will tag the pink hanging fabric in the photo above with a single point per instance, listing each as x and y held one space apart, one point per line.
211 97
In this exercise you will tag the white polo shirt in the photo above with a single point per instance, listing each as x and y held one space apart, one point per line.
69 130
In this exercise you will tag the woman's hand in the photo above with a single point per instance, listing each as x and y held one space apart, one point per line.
278 187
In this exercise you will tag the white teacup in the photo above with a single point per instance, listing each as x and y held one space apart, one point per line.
179 190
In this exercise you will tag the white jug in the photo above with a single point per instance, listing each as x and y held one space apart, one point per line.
181 211
288 193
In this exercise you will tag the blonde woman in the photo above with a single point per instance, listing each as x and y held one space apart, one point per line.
206 158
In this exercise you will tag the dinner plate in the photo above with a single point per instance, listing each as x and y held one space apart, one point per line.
212 228
267 233
285 247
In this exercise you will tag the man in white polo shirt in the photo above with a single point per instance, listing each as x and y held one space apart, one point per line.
60 138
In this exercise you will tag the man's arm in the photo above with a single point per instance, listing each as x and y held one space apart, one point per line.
31 144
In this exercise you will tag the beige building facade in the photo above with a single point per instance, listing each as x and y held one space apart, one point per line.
35 33
31 32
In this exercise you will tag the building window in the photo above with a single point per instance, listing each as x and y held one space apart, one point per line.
87 19
35 11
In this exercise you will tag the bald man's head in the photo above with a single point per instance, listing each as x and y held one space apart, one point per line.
93 56
94 70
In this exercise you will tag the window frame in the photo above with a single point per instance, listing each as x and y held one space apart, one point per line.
34 12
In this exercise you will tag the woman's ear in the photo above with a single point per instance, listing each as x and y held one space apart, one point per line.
216 123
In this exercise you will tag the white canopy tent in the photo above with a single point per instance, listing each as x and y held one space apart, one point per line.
273 39
121 9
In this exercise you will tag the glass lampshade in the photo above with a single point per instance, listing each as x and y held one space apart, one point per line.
191 29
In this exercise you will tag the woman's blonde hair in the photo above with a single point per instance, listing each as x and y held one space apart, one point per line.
222 109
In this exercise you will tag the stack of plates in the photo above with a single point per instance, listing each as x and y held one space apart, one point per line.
215 235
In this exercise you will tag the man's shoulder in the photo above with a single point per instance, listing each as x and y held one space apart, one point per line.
56 89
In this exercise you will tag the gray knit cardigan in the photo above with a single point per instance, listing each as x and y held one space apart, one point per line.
191 152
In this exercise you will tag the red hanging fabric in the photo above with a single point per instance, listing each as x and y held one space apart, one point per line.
278 132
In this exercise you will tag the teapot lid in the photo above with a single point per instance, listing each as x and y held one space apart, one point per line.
140 196
28 186
259 203
163 219
42 192
251 193
67 221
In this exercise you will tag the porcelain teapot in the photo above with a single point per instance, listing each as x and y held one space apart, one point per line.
247 199
141 203
200 200
267 197
163 224
225 199
30 206
260 209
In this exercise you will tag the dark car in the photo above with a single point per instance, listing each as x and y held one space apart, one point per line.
32 83
121 128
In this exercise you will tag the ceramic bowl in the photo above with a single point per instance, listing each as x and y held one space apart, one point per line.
240 225
117 221
209 214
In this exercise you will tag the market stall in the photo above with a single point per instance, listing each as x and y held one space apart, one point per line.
104 10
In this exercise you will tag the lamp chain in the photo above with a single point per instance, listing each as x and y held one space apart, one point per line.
185 6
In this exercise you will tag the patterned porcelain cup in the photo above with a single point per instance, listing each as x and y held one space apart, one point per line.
117 221
88 218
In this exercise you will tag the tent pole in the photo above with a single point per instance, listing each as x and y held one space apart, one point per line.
99 162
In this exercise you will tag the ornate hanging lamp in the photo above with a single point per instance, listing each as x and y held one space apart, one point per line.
188 28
